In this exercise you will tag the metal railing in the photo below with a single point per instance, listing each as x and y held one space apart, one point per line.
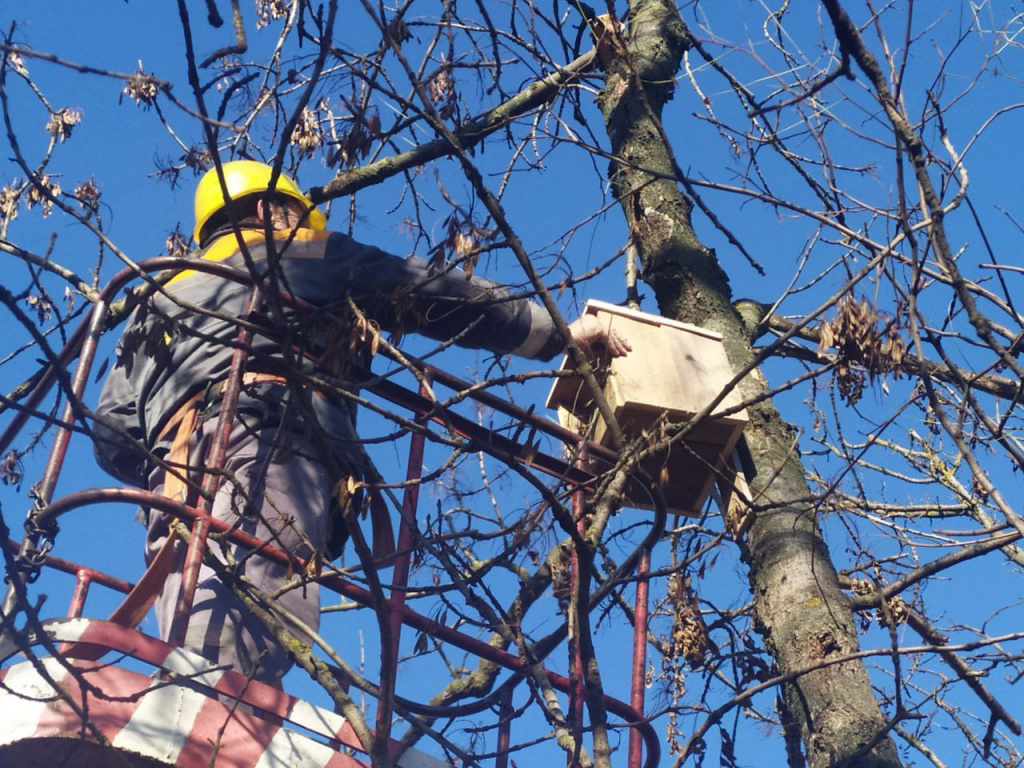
33 552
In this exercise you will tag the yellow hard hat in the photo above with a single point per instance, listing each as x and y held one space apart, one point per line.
245 177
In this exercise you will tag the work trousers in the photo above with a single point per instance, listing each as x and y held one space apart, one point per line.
275 488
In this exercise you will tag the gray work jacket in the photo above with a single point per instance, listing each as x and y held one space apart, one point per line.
181 341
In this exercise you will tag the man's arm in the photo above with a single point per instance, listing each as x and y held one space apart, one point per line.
406 296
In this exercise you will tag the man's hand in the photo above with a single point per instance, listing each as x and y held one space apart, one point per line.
592 335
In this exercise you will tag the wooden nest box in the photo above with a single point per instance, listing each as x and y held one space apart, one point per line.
673 373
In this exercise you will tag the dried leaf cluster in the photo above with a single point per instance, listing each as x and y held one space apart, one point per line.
17 64
62 122
87 194
867 344
461 243
307 136
398 30
142 87
897 609
686 646
442 91
42 306
42 193
11 469
270 10
561 580
176 244
689 639
198 159
355 144
349 342
9 197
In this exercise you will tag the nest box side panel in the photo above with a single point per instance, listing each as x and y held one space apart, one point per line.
671 369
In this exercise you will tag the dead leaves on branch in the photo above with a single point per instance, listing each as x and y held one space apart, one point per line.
42 193
353 145
88 194
17 63
365 335
197 159
62 122
347 147
867 344
561 582
41 305
443 93
11 469
176 244
142 88
610 39
461 244
270 10
307 136
896 609
398 30
689 639
9 197
687 646
354 339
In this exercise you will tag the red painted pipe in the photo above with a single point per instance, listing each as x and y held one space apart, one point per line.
577 694
504 728
55 460
639 682
139 497
400 575
82 581
73 568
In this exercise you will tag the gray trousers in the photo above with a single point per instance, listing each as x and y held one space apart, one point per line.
276 489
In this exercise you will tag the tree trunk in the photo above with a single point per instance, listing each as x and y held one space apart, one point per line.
802 613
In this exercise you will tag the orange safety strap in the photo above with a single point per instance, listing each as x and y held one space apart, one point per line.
175 487
140 599
185 420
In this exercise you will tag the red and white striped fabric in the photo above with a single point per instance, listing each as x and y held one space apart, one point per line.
185 716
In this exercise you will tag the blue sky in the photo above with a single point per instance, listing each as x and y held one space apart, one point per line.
117 144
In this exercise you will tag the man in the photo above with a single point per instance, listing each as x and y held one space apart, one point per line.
285 458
